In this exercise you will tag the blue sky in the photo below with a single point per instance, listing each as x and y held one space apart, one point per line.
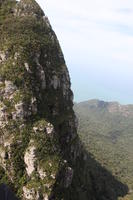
97 40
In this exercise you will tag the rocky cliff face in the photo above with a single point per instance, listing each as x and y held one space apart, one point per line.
37 123
40 153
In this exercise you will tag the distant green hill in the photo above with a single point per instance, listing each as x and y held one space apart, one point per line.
106 129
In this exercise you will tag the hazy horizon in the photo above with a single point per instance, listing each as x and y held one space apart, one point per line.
97 40
106 101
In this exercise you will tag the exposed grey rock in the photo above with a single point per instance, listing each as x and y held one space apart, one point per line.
2 157
3 115
40 72
30 158
28 7
42 173
27 67
16 55
46 20
30 194
10 88
68 177
45 197
33 105
49 129
3 56
55 82
19 111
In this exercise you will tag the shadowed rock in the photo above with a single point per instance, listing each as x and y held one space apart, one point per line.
6 193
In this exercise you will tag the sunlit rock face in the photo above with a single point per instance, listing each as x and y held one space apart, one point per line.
37 122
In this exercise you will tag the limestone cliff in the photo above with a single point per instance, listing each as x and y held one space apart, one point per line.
37 123
40 153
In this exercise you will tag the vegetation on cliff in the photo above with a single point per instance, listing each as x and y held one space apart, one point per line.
41 156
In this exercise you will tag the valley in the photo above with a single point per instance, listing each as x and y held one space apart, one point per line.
106 130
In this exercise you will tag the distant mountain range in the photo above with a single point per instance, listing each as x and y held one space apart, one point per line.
106 129
112 107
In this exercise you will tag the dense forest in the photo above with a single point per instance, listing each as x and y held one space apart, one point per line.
106 130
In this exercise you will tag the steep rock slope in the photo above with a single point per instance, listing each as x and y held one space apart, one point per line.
36 116
40 154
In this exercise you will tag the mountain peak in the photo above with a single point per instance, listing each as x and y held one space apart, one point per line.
6 1
28 7
37 121
94 103
113 107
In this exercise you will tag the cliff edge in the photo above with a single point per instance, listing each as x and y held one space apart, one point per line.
40 153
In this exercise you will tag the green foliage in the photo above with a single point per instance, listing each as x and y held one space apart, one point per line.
26 38
17 157
6 9
47 145
108 136
3 176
